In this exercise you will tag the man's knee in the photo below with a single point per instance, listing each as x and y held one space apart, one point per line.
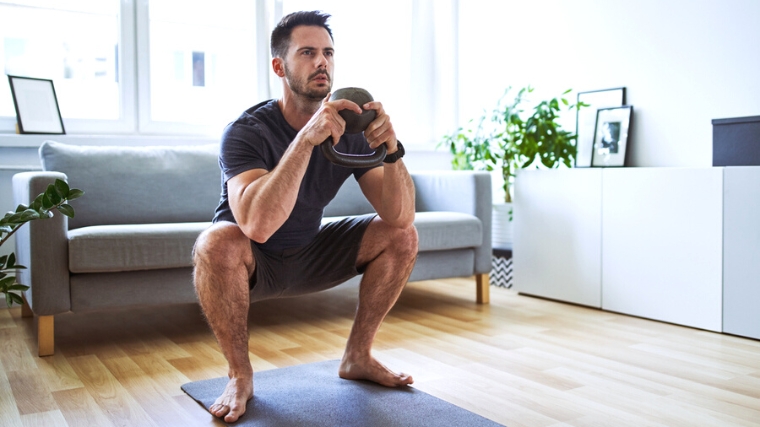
223 245
405 241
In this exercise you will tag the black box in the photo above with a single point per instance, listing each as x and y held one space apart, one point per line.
736 141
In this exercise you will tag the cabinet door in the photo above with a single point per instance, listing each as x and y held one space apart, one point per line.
662 244
557 234
741 251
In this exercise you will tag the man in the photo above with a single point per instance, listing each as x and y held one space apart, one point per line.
266 240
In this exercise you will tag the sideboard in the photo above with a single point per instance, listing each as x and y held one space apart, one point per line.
679 245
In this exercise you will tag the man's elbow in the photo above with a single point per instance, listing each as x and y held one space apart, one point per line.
404 221
256 233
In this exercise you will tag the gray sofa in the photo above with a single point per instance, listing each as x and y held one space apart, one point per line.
130 241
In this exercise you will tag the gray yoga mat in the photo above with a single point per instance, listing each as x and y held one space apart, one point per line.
314 395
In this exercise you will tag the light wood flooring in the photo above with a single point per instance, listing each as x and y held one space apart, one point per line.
520 361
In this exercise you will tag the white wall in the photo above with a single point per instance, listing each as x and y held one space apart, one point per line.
683 62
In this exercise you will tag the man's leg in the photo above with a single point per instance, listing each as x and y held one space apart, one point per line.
223 265
389 254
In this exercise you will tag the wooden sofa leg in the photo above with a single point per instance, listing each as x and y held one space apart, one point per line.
26 311
483 282
45 336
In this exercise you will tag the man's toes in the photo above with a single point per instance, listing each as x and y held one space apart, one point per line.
219 410
234 413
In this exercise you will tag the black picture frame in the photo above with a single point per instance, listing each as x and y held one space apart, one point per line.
612 135
585 119
36 106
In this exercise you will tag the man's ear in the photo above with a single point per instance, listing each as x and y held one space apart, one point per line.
278 66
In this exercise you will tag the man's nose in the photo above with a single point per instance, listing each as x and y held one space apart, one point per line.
321 60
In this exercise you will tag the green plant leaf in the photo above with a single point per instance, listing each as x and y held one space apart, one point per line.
28 215
62 188
13 298
37 203
52 194
47 204
66 210
75 193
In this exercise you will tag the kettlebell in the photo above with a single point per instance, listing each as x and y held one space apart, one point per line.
355 123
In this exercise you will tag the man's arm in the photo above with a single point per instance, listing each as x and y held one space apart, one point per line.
261 200
389 188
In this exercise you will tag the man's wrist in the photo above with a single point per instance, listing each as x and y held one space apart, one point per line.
396 155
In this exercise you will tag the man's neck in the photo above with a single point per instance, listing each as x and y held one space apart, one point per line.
297 110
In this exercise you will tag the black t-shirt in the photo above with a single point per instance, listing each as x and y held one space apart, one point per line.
257 140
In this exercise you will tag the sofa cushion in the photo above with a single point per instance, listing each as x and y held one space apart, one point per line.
132 247
138 185
440 231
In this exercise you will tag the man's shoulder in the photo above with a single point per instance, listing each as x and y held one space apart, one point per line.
257 119
262 113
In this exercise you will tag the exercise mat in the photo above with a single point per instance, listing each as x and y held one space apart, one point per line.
314 395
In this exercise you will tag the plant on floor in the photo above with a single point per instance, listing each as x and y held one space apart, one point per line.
504 139
55 197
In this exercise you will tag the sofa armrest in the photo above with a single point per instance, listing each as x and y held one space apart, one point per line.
42 247
459 191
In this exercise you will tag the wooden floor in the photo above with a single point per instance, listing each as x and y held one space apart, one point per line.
520 361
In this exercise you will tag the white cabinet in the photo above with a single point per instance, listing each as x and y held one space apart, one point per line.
741 251
662 254
679 245
557 234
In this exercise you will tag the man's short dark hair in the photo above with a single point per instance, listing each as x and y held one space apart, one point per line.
281 34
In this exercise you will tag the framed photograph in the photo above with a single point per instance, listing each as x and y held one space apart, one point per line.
36 105
611 136
585 119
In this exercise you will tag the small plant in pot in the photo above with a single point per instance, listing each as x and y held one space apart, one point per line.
55 197
509 138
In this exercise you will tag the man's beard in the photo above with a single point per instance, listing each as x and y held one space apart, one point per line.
300 86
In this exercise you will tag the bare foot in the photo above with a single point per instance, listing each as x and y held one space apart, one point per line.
231 404
368 368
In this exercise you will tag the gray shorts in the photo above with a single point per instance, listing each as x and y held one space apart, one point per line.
329 260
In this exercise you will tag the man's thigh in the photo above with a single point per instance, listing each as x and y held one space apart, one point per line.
329 260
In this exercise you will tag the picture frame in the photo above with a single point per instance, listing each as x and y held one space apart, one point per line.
611 136
585 119
36 106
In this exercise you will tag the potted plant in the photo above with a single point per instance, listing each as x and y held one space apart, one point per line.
507 139
55 197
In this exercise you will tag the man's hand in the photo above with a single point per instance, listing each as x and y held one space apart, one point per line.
326 122
381 129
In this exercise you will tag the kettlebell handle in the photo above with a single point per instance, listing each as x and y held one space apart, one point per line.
355 123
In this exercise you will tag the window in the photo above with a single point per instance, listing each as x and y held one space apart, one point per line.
193 62
402 52
75 43
191 66
202 63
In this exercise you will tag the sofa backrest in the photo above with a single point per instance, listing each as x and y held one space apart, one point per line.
155 184
349 201
138 185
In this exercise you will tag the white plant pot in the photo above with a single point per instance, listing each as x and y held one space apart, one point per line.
501 233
